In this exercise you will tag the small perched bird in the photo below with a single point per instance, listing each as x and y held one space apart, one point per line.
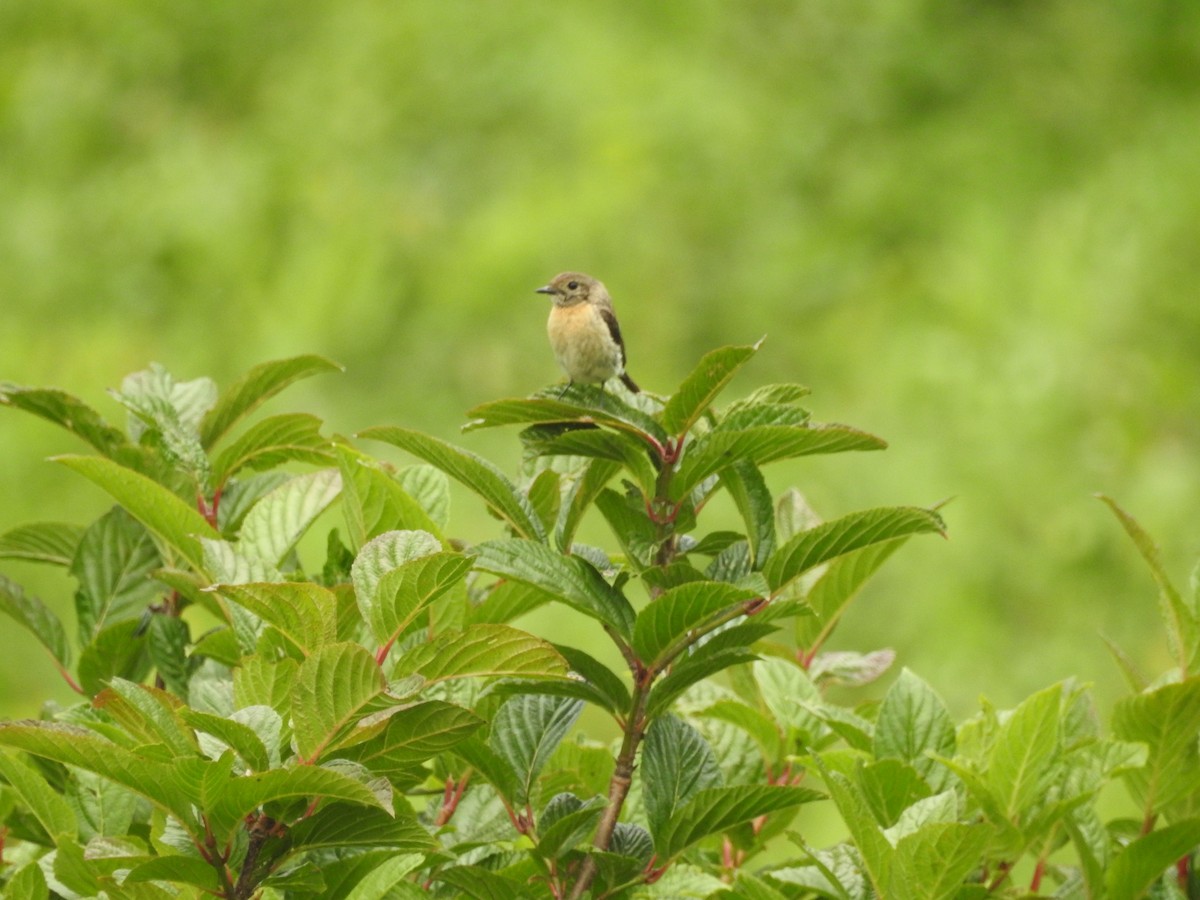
584 332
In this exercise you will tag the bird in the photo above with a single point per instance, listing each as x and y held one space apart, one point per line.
583 331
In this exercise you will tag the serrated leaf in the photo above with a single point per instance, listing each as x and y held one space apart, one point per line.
382 555
937 858
487 651
493 766
1023 752
149 714
637 535
346 825
477 883
334 688
714 810
676 763
27 883
176 523
569 578
414 734
261 681
715 370
47 805
384 878
889 787
240 738
566 823
303 612
68 411
913 722
591 481
1167 720
113 563
470 470
692 669
75 746
667 619
273 441
597 443
1178 615
878 855
375 502
830 540
404 592
255 387
606 682
118 650
430 487
576 403
277 521
749 490
505 601
46 542
1142 862
525 731
32 614
168 639
762 444
227 563
178 869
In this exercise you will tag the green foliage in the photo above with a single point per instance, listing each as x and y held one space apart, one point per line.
371 723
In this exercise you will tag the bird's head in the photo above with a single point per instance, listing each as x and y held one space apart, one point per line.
570 288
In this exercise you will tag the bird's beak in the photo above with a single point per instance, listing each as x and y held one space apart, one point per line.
545 289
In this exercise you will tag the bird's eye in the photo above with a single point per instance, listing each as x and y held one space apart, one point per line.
572 284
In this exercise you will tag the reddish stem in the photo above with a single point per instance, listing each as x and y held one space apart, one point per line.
1183 868
1039 871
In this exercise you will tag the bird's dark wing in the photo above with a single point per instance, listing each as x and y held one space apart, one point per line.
610 319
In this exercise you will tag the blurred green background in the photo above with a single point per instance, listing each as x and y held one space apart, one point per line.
970 226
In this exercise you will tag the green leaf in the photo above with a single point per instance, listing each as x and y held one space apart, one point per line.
48 542
334 688
591 481
1167 720
414 734
494 768
933 862
404 592
430 487
47 805
241 738
477 474
305 613
1023 751
505 601
74 746
577 403
255 387
569 578
273 441
566 823
263 681
889 787
113 564
477 883
385 879
178 869
762 444
119 650
616 446
382 555
676 763
70 412
168 639
745 484
545 496
27 883
714 810
878 856
374 502
913 722
668 619
715 370
346 825
830 540
607 684
627 518
487 651
178 524
166 415
691 669
1183 629
148 714
34 615
277 521
525 731
1143 861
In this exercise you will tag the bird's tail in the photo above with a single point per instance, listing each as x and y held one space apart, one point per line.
630 383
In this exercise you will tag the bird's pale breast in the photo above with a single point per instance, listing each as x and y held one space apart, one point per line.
582 343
